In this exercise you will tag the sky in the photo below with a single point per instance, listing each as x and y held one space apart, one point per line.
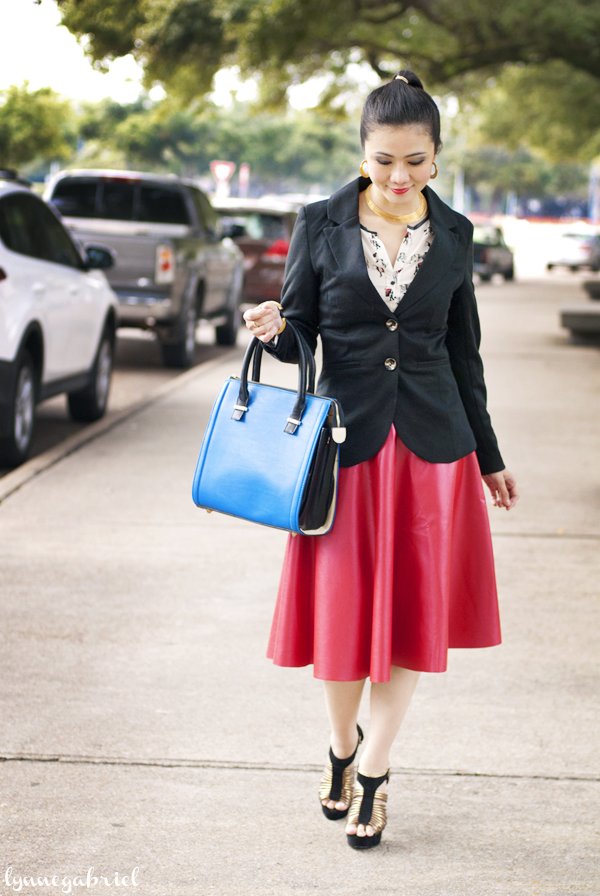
34 47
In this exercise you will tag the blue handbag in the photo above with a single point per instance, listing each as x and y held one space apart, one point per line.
271 455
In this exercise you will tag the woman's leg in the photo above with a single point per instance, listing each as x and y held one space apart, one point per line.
342 699
389 701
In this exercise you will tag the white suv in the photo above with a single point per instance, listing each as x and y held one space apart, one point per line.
57 319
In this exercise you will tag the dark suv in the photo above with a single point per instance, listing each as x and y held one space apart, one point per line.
172 264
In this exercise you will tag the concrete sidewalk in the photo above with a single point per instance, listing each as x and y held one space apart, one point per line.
143 727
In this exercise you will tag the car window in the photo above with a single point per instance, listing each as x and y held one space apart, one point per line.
488 236
15 229
161 205
116 200
76 197
257 225
29 227
55 243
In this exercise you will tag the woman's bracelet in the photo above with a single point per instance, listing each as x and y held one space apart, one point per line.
283 321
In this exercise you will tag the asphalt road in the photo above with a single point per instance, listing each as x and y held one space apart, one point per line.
138 373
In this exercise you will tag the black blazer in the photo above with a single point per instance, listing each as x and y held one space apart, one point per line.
418 367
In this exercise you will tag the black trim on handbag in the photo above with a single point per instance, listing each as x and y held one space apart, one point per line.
271 455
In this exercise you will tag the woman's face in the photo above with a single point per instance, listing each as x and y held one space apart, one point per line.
399 160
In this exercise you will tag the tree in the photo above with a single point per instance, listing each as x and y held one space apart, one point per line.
184 42
296 148
552 108
34 123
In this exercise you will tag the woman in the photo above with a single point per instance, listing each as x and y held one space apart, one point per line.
382 271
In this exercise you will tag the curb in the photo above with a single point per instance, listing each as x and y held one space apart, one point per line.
12 482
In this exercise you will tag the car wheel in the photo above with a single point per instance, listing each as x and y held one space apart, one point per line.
509 273
226 334
90 403
182 352
14 447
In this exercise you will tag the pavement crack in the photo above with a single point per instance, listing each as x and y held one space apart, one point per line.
269 767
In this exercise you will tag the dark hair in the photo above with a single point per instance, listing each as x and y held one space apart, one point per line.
398 102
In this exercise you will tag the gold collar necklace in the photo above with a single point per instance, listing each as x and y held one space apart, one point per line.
411 218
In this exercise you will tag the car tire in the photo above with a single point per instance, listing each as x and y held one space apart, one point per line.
182 352
90 403
14 448
226 334
509 273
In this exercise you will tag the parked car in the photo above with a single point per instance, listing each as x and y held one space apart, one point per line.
262 230
491 255
173 265
577 251
57 319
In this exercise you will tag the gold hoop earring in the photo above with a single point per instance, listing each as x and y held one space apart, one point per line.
362 168
435 173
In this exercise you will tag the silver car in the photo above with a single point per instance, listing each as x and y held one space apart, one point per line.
577 251
172 264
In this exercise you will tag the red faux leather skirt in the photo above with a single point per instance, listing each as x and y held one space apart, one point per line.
406 572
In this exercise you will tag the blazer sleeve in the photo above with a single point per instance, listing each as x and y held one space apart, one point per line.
299 296
463 340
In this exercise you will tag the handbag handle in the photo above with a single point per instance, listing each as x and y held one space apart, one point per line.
306 378
310 360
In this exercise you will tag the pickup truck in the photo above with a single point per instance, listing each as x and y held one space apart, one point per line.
172 266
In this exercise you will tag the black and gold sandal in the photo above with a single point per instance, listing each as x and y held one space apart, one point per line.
368 807
337 782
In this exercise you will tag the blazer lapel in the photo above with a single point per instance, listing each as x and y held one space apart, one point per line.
439 257
346 245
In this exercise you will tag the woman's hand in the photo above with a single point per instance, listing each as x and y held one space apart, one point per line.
503 488
264 321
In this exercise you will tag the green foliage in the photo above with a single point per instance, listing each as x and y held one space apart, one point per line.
550 107
33 123
294 151
184 42
542 57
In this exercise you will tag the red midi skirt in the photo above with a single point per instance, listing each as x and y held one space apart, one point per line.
406 572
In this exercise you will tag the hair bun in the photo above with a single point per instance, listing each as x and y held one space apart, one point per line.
408 77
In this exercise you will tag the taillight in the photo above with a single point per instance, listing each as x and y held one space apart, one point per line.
278 249
164 271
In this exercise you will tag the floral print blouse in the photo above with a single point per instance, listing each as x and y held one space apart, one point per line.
392 281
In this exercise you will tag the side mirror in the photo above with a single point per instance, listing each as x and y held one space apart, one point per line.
232 230
98 257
